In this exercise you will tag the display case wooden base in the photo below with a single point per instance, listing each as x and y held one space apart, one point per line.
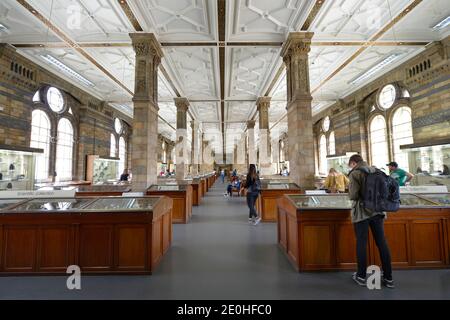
98 242
196 193
182 202
323 239
266 205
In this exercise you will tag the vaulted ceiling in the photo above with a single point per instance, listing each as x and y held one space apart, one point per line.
221 55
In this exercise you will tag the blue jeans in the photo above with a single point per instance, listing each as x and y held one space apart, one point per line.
223 178
251 200
376 224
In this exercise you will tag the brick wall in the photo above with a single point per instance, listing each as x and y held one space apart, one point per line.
92 118
429 90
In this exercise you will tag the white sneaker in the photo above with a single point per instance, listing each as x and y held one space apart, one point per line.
257 220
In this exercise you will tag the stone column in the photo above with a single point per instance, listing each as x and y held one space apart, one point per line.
251 142
241 165
145 102
263 105
182 153
300 129
195 126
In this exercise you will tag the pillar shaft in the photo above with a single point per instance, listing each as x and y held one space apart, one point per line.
251 142
263 105
196 146
145 102
182 153
300 130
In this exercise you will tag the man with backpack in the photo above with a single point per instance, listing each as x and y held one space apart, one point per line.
371 192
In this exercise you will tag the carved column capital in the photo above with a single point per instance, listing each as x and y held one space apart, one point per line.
181 103
297 44
263 102
251 124
145 44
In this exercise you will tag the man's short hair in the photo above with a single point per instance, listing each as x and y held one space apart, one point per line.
355 158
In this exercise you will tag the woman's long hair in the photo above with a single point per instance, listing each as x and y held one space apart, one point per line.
252 175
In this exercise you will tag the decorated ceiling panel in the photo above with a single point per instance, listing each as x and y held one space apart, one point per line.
178 20
265 20
250 68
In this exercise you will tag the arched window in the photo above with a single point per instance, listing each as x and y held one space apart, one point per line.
401 134
323 155
40 138
112 151
378 142
331 144
122 155
64 150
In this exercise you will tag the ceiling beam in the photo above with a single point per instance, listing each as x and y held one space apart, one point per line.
312 15
59 45
130 15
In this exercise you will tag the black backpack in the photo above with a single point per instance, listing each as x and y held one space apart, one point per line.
381 192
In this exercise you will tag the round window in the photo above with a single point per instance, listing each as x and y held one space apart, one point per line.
55 99
387 95
326 124
117 125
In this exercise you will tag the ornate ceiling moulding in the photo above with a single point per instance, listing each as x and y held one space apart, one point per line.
370 42
71 43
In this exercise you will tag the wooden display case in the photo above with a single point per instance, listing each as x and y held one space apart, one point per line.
181 194
316 233
107 235
266 205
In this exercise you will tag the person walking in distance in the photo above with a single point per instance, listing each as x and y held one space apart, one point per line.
253 186
222 175
362 219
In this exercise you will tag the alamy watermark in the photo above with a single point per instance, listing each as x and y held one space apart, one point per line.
74 280
374 278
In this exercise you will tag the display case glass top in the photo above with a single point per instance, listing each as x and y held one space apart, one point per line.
6 203
123 203
342 201
52 204
411 200
177 187
104 188
441 198
337 201
280 186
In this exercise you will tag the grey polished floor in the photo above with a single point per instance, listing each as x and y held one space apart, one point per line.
219 256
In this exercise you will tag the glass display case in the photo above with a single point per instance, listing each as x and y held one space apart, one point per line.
429 164
104 188
340 163
441 198
101 170
17 168
411 200
120 204
53 204
178 187
279 186
7 203
340 201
